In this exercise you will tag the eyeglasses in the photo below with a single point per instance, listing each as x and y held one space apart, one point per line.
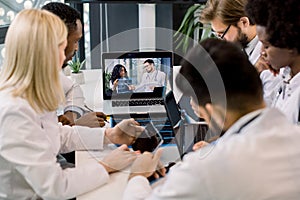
221 35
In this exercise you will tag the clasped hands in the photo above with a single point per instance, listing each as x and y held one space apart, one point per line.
90 119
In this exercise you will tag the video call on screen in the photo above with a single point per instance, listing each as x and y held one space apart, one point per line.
135 70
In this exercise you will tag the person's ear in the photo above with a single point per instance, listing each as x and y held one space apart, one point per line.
202 113
244 22
217 113
209 109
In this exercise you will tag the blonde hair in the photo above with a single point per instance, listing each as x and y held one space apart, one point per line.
31 63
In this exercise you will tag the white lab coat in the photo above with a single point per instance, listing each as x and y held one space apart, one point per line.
270 85
287 100
29 143
262 161
75 100
253 50
154 79
269 81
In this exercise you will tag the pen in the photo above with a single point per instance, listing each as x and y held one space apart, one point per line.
88 108
93 111
105 119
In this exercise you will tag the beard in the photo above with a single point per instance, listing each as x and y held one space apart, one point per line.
242 38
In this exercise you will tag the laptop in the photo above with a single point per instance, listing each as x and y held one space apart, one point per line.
137 91
186 134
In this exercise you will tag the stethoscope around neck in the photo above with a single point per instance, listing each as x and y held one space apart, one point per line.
155 77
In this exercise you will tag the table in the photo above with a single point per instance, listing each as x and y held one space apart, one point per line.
113 190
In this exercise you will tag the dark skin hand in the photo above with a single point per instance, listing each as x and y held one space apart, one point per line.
261 65
92 119
65 120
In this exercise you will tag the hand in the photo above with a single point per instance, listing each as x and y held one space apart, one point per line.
124 132
115 84
199 145
261 65
92 119
146 164
160 171
152 87
118 159
65 120
131 87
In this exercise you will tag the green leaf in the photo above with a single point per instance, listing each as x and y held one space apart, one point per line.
206 31
75 65
188 38
184 35
188 16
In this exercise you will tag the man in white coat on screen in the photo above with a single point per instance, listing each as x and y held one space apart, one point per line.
151 78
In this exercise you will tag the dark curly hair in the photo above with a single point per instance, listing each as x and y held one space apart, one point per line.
281 19
68 14
116 72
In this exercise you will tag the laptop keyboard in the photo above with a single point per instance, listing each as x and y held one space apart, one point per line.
137 102
159 120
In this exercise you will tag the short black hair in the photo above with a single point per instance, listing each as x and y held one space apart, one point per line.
150 61
68 14
281 19
217 59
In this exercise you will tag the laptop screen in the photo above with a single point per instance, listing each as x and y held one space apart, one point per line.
172 109
174 115
186 134
136 74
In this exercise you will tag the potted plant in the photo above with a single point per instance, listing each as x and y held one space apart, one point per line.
107 85
75 65
191 28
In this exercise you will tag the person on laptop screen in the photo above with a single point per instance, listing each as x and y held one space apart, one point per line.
120 82
151 78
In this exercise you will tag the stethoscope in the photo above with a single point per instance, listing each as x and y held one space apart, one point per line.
155 77
282 88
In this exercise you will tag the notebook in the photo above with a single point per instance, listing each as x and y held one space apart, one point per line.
137 90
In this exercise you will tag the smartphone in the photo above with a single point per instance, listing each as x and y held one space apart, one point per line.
149 140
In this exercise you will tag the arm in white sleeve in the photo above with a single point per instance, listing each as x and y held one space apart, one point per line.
28 149
138 188
75 137
81 138
74 95
270 84
180 183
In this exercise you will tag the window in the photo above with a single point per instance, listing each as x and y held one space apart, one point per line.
8 11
